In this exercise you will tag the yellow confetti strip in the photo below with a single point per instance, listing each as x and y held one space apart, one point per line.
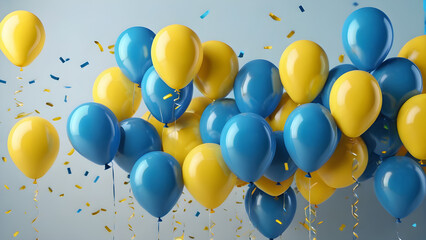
4 159
100 46
206 228
71 152
290 34
167 96
278 221
66 163
34 220
94 213
18 91
107 228
50 189
239 228
22 188
267 47
178 222
320 222
341 58
103 210
16 234
78 186
36 111
342 227
122 200
273 16
88 204
22 114
112 52
111 46
56 119
383 152
7 212
61 195
46 90
286 166
49 104
6 187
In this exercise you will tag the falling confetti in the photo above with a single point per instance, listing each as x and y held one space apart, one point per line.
274 17
122 200
86 173
56 119
197 214
22 187
61 195
96 179
290 34
66 98
70 152
69 170
278 221
267 47
49 104
286 166
66 163
79 210
54 77
3 81
84 64
64 60
5 186
100 46
31 82
94 213
414 225
341 58
355 4
78 186
205 14
241 54
15 234
107 228
111 46
342 227
167 96
88 204
67 86
4 159
46 90
7 212
301 8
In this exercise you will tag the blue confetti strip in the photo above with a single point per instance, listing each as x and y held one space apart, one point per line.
197 214
84 64
66 98
67 86
86 173
241 54
54 77
31 82
69 170
79 210
96 179
414 225
355 4
301 8
2 81
205 14
64 60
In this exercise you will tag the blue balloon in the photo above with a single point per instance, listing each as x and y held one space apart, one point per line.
265 211
277 171
94 132
133 52
333 75
367 37
247 146
399 80
160 98
215 117
374 161
400 185
156 181
138 137
258 88
310 136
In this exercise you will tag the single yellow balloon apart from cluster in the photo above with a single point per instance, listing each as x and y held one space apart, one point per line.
415 51
206 175
348 161
218 70
198 105
303 70
313 189
21 37
177 55
157 124
273 188
355 102
114 90
411 125
33 145
279 116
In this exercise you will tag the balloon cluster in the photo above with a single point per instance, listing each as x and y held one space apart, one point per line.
328 130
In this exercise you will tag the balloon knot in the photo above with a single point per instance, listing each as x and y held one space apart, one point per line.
308 175
251 184
139 85
160 220
278 184
398 220
165 125
107 166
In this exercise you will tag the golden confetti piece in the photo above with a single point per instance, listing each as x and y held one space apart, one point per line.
273 16
66 163
178 222
19 78
78 186
22 187
252 192
94 213
341 58
8 109
4 159
16 234
111 46
112 52
174 229
278 221
286 166
46 90
342 227
61 195
100 46
22 114
131 216
167 96
239 228
122 200
290 34
191 237
320 222
49 104
34 220
7 212
6 187
304 225
35 110
107 228
103 210
206 228
239 202
125 183
50 189
190 201
18 91
56 119
267 47
88 204
212 211
383 152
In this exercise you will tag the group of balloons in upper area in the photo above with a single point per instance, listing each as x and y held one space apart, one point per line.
327 129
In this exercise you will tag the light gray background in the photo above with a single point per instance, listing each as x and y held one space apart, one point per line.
72 26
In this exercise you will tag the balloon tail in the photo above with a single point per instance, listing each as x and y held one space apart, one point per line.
113 196
158 228
278 184
165 125
130 203
21 69
308 175
210 226
36 207
354 206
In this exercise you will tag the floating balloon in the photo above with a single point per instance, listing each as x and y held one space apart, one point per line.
198 105
355 117
310 136
415 51
166 104
270 215
183 136
399 79
279 116
367 37
374 161
33 145
138 137
177 55
133 52
218 70
206 175
117 92
157 182
382 137
215 117
258 88
400 186
349 161
157 124
411 125
313 189
303 70
21 37
333 75
248 146
94 132
273 188
282 167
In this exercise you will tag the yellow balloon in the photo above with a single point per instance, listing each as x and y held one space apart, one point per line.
21 37
415 51
272 188
206 175
198 105
176 55
157 124
411 124
349 160
319 191
114 90
33 145
303 70
279 116
355 102
183 136
240 183
218 70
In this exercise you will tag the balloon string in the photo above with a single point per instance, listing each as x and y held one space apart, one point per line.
113 195
249 210
310 215
130 204
158 228
210 226
354 206
397 222
36 206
